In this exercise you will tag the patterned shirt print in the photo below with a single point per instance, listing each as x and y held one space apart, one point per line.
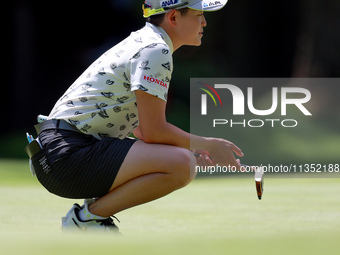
102 102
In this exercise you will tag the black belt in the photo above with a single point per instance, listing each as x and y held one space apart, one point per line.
55 125
34 147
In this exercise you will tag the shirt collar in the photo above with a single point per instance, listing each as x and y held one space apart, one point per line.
163 34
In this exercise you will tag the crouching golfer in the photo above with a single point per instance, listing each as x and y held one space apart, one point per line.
85 150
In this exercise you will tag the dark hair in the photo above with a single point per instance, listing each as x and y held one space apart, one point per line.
158 19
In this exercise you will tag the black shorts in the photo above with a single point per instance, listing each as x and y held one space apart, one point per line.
77 165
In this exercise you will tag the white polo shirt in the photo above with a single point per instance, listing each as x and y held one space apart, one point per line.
102 102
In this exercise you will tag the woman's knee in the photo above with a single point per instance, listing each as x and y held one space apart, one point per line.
183 170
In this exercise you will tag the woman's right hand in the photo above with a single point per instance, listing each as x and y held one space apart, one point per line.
222 152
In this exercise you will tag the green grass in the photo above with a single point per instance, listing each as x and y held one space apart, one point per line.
15 173
210 216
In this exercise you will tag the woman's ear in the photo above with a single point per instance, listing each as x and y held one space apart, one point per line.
172 17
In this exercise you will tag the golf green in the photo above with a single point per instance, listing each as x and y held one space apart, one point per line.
210 216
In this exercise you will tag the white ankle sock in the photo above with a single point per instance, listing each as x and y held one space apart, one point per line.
84 214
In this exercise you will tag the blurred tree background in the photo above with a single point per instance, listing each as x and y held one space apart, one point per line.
49 44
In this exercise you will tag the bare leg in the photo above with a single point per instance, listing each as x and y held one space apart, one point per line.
149 171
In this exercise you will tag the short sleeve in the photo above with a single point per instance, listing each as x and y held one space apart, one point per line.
151 69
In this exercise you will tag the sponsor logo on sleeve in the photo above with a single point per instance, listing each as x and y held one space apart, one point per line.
155 80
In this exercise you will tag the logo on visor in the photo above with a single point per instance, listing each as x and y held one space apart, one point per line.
168 3
212 4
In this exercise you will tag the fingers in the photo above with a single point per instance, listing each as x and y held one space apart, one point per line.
237 150
239 165
204 160
232 161
225 155
219 151
231 157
